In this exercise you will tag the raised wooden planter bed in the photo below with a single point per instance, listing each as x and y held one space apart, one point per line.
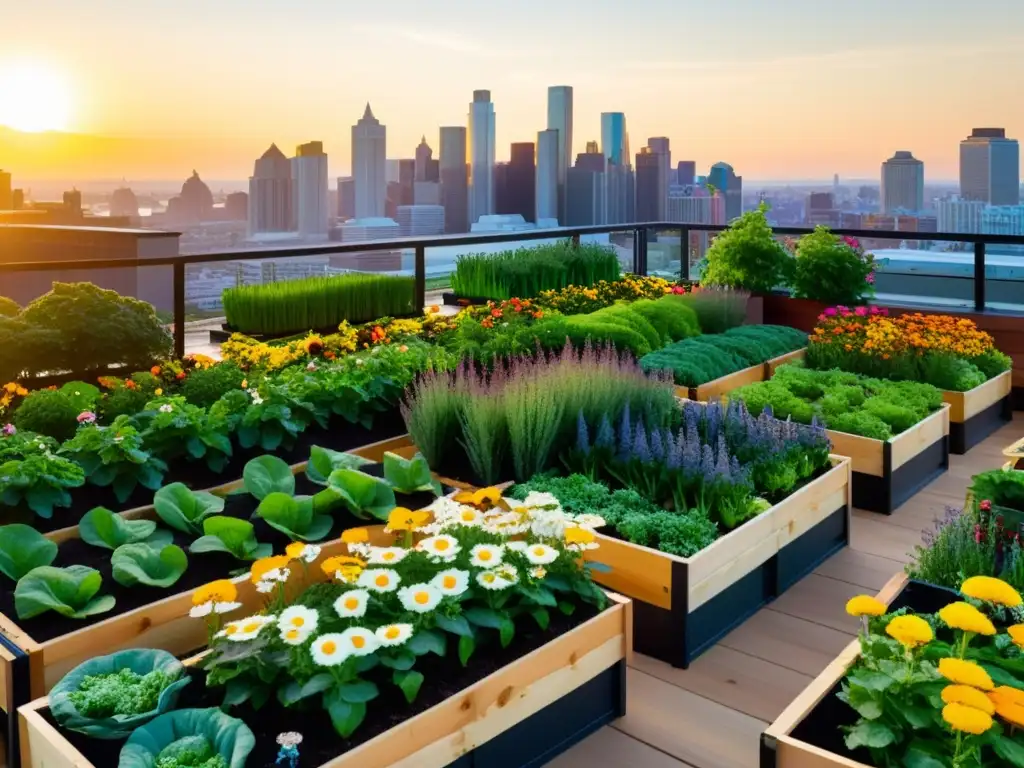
1015 455
888 472
977 413
682 606
722 386
775 362
524 714
807 734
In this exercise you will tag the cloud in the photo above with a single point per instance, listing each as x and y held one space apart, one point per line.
444 41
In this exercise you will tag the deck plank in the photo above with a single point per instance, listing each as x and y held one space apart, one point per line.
612 747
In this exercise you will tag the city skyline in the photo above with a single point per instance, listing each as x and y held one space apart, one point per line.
772 91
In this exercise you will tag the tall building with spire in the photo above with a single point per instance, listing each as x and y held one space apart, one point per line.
560 119
369 140
424 154
482 154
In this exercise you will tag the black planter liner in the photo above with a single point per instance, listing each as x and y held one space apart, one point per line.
820 728
965 435
885 494
18 693
678 636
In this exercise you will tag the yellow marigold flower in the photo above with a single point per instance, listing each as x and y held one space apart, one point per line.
864 605
578 536
294 550
1016 633
355 536
266 565
1009 704
967 618
966 719
969 697
402 519
910 631
991 590
964 672
486 496
220 591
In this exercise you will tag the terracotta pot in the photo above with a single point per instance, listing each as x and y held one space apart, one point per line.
796 313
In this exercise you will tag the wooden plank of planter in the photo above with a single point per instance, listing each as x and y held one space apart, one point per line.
722 385
451 729
775 362
888 472
684 605
977 413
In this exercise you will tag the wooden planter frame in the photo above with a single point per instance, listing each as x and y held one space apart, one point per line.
720 387
577 682
977 413
888 472
682 606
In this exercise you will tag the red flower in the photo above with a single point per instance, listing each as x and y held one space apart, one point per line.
985 505
678 289
495 313
155 370
180 376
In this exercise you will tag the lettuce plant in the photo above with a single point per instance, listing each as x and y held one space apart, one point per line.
23 548
323 461
409 475
148 565
184 509
231 535
268 474
174 428
364 495
114 456
295 516
40 481
72 592
102 528
189 738
277 414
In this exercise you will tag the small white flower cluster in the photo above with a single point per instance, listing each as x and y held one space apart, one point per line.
549 521
256 399
269 581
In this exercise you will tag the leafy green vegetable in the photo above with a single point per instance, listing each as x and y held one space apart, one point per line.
71 591
114 456
184 509
294 516
176 734
110 696
23 548
364 495
409 475
143 564
231 535
265 475
40 480
323 461
102 528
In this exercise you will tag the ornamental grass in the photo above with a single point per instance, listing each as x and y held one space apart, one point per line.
316 303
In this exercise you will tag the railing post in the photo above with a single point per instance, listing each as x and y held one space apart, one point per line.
684 253
979 276
576 240
179 309
421 278
640 251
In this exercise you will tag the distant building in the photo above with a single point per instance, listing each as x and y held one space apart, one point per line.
6 193
902 183
369 139
271 205
614 139
378 228
724 179
560 119
424 154
236 206
309 188
686 172
482 149
650 182
124 203
426 193
401 192
547 175
420 220
959 216
454 179
619 193
821 210
73 200
193 205
509 222
691 204
990 167
593 148
515 182
659 145
346 198
1003 220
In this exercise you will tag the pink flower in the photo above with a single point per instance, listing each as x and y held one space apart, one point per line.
977 534
861 311
830 312
9 430
86 417
870 278
985 506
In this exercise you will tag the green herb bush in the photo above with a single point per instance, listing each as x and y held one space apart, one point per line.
674 320
48 412
624 315
8 307
205 386
317 303
525 272
832 269
748 256
580 329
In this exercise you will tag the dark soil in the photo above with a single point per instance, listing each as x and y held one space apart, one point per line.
445 678
340 436
202 568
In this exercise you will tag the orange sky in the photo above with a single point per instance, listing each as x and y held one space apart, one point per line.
786 89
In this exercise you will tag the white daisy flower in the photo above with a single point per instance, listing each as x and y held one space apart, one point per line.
309 553
265 587
441 546
517 546
468 516
294 635
509 573
358 641
247 629
329 650
590 521
546 525
386 555
420 598
394 634
541 554
431 529
451 583
211 606
379 580
352 604
486 555
539 572
539 500
492 580
360 549
298 617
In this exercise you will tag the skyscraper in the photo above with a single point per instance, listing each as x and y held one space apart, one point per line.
547 175
649 205
423 156
686 172
369 138
516 191
660 147
614 139
587 189
990 167
309 189
481 155
271 207
454 180
6 197
346 198
902 183
723 178
560 119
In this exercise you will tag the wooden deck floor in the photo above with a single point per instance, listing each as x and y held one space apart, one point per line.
712 715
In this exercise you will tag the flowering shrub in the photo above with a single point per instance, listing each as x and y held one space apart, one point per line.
832 269
948 352
455 574
578 299
925 686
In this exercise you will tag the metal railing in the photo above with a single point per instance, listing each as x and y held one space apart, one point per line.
639 231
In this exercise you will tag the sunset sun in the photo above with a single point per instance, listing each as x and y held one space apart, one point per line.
33 98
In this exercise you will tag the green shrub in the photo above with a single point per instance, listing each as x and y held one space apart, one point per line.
317 303
48 412
993 363
717 308
673 320
830 270
622 314
205 386
582 328
748 256
8 307
525 272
